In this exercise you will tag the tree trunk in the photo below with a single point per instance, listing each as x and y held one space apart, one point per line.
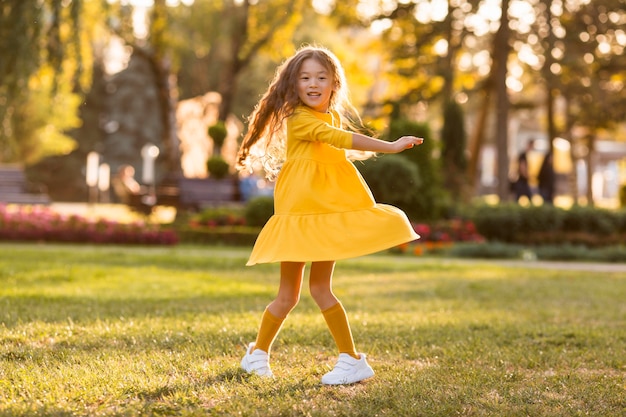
166 87
236 24
549 77
502 117
590 166
478 137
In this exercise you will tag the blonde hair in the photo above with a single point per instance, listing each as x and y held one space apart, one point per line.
265 139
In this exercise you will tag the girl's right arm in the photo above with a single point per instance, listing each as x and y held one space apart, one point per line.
365 143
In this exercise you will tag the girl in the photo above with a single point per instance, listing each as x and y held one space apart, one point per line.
323 209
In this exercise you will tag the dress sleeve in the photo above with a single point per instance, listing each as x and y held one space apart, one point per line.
305 126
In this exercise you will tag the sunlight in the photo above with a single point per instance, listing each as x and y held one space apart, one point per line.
324 7
379 26
527 55
441 47
523 14
150 3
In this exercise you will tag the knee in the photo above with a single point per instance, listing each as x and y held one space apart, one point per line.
321 294
285 303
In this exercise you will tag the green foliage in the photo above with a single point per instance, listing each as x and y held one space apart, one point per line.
217 167
222 235
218 133
591 220
453 149
40 71
218 216
431 200
258 210
548 224
495 250
392 179
561 252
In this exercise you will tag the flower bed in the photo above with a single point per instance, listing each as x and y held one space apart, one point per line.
439 236
40 224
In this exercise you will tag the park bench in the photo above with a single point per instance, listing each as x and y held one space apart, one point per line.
15 188
189 194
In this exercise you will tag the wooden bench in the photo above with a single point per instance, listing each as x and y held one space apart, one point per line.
198 193
15 188
189 194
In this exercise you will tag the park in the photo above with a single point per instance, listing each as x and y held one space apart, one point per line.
136 183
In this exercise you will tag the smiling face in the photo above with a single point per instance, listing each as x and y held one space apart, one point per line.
315 85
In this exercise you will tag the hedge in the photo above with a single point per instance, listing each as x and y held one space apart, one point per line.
546 224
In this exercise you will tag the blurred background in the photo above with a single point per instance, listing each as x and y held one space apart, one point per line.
89 88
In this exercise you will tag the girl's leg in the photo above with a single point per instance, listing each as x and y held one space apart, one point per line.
256 359
351 366
320 283
291 275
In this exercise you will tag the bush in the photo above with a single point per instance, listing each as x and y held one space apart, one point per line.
495 250
218 216
222 235
218 133
431 202
498 223
258 210
217 167
590 220
392 179
547 224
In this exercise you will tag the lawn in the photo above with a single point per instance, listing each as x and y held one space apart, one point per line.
126 331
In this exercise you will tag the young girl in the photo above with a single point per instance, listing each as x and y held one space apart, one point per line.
323 209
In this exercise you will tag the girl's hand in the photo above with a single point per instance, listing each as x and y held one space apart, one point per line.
407 142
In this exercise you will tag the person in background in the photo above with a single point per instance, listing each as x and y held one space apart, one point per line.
546 179
125 186
522 185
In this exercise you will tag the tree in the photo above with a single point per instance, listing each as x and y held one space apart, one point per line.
230 36
453 152
501 57
41 73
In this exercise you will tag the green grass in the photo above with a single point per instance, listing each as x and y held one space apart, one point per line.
103 331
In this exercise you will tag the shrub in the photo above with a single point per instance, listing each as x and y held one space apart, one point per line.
547 224
495 250
218 133
590 220
217 167
432 201
218 216
224 235
498 223
258 210
392 179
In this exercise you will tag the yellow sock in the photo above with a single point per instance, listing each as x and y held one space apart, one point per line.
337 321
270 326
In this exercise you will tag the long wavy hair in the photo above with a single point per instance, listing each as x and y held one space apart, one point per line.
264 141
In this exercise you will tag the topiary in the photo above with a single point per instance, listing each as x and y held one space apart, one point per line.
218 133
217 167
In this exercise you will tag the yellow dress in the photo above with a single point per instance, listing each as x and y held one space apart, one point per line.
323 209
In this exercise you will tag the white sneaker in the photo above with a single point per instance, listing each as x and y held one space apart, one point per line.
257 362
348 370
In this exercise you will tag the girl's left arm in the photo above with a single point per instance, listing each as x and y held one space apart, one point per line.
365 143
